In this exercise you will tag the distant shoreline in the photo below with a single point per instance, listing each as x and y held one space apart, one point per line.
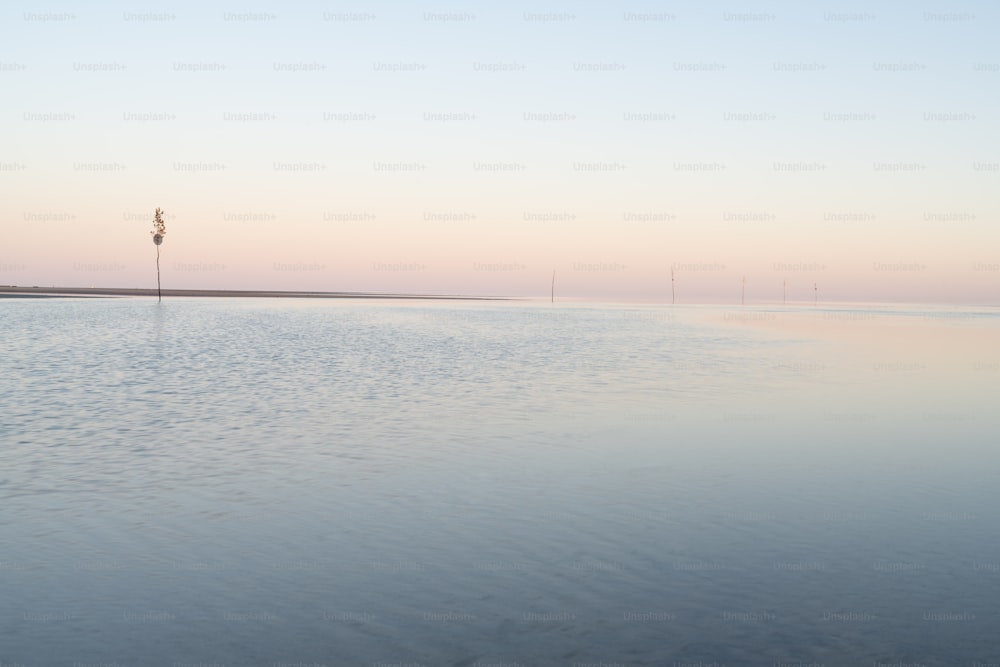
8 291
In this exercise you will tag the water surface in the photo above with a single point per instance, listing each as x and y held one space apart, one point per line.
254 481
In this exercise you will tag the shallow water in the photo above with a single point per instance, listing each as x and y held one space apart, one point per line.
252 481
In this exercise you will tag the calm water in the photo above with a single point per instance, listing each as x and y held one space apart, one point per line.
256 482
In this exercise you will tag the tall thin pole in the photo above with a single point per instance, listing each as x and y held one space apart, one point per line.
159 296
553 296
159 229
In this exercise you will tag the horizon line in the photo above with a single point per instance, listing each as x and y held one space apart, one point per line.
39 290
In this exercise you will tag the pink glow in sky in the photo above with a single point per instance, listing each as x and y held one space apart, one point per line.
478 155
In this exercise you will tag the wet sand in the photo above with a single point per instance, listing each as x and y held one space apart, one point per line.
42 292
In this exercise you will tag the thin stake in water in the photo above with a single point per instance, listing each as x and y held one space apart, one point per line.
159 230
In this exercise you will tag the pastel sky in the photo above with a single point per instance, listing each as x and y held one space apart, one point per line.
476 147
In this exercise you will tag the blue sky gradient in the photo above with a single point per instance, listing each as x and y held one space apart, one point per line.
760 137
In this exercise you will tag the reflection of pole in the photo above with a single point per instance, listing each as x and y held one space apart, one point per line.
159 297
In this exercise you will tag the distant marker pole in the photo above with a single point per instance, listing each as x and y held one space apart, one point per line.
159 229
552 296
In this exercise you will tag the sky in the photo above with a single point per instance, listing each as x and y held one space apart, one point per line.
844 151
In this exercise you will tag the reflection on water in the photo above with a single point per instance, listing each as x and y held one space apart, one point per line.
263 482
